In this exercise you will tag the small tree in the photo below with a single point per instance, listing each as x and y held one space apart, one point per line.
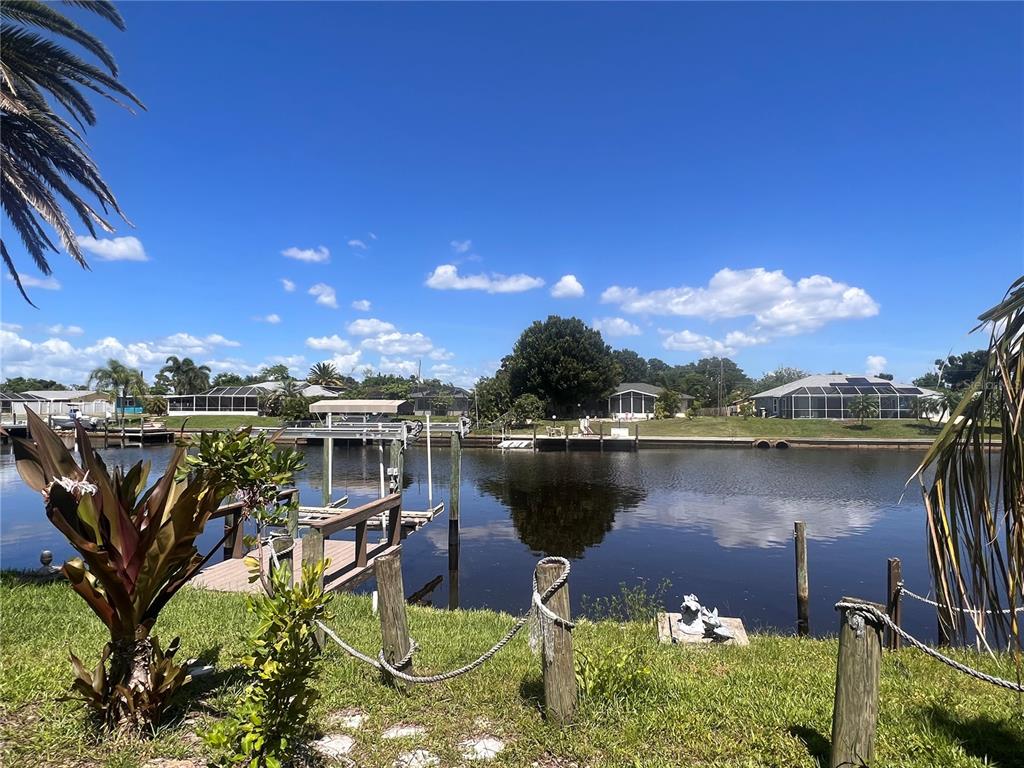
527 408
747 409
669 400
156 406
864 407
923 407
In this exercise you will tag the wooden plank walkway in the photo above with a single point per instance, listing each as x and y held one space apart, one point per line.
232 575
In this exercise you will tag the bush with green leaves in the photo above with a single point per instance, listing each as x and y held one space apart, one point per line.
618 675
270 723
137 548
527 408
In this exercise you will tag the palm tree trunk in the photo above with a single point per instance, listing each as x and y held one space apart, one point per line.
130 659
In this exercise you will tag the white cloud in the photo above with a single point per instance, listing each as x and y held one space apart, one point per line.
324 295
346 363
13 327
398 366
310 255
446 277
45 283
287 284
777 304
273 318
355 243
440 353
63 330
461 246
361 305
616 326
114 249
61 360
333 343
396 343
369 326
874 365
567 287
687 341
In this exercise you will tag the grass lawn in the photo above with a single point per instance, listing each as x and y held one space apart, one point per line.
737 426
219 422
766 705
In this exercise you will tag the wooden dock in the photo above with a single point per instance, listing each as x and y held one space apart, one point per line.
232 575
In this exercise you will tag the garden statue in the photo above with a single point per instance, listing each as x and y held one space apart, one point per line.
698 621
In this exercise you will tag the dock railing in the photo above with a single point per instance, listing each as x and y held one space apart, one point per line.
234 544
313 541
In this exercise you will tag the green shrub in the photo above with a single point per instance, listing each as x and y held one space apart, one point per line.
617 675
270 722
636 603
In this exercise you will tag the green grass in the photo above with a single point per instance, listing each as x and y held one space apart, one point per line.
219 422
737 426
766 705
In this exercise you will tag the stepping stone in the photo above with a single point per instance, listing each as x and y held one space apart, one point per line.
351 719
421 758
403 731
334 745
486 748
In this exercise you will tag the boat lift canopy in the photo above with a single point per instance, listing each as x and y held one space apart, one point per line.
357 406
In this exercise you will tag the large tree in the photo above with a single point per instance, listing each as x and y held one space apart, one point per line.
119 379
493 396
564 362
634 368
778 377
957 371
22 384
46 165
186 377
324 374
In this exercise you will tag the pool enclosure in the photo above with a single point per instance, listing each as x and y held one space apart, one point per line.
243 400
830 397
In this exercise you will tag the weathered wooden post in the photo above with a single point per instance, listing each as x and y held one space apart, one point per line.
858 671
292 526
396 464
535 438
600 434
394 629
803 624
453 521
313 553
559 672
327 479
892 607
233 542
636 436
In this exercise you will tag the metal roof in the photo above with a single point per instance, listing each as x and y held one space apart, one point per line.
841 384
356 406
636 386
62 394
19 397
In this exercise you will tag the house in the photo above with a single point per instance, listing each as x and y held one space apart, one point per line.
47 402
829 397
441 401
635 400
243 400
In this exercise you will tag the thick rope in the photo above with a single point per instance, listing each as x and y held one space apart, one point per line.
972 611
882 617
381 663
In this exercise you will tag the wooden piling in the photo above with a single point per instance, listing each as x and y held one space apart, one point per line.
600 435
396 461
534 438
559 672
636 436
803 624
394 628
327 481
313 553
858 671
455 483
892 607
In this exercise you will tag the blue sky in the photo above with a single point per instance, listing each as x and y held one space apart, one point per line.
804 184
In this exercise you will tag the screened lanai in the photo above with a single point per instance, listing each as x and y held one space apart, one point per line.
241 400
830 397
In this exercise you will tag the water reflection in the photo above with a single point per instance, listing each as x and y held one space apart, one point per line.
561 507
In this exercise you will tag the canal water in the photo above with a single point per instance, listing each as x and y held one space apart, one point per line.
717 522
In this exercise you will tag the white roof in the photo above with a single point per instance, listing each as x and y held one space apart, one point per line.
356 406
843 379
62 394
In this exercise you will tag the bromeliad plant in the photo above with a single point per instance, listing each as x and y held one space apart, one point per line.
137 549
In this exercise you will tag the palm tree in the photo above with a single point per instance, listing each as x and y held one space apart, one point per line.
44 156
119 379
923 407
864 407
324 374
186 377
948 402
975 502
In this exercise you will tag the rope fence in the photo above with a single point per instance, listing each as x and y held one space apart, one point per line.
883 618
972 611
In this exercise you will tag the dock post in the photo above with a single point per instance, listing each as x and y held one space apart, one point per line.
895 578
313 553
559 672
288 559
803 625
636 436
453 521
600 435
858 671
394 629
396 462
430 474
106 435
327 483
534 438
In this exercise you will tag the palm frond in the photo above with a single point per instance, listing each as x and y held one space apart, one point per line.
975 500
